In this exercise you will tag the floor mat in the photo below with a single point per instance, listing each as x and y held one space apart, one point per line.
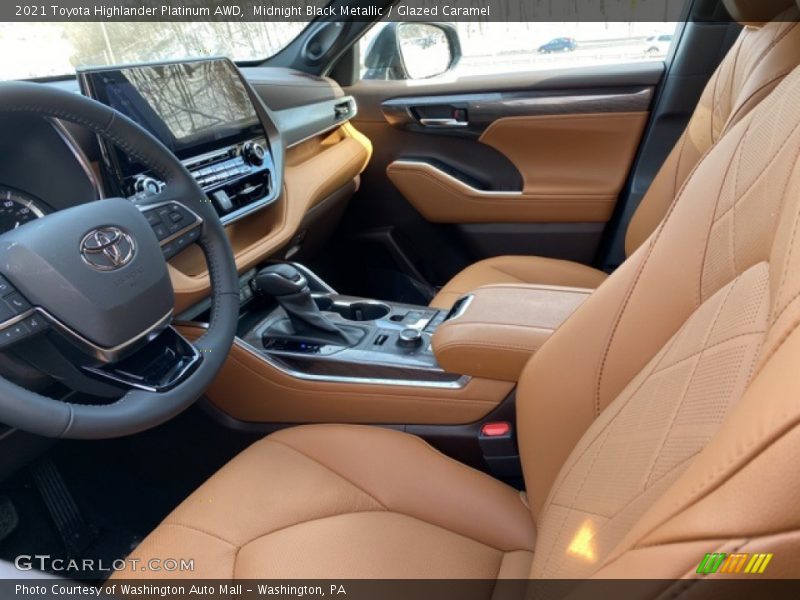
123 488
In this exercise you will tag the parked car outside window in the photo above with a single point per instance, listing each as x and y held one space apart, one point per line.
562 44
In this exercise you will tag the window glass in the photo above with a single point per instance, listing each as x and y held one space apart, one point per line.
51 49
493 47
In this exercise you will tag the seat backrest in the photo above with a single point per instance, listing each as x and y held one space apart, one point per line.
759 60
662 420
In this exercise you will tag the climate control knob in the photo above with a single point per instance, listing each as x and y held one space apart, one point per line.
254 153
146 185
410 339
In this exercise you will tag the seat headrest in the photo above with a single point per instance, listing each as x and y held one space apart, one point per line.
757 12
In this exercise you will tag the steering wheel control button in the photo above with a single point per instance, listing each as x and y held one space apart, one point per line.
13 334
35 324
175 226
410 339
6 312
17 303
5 286
186 239
161 231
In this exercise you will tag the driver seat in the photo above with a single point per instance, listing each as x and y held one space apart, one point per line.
661 422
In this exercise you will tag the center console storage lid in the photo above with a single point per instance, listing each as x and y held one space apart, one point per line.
501 327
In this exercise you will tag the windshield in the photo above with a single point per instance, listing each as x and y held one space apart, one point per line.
53 49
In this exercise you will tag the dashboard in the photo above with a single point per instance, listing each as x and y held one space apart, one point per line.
266 145
206 114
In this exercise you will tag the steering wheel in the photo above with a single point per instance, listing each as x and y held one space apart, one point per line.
95 278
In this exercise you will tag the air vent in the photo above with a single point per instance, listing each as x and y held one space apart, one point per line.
343 110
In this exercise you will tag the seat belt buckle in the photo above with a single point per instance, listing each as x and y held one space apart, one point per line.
497 439
499 447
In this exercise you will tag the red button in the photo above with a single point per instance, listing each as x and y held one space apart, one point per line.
499 429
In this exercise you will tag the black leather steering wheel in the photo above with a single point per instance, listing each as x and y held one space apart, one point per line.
110 291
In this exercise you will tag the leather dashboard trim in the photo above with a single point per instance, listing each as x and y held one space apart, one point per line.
314 170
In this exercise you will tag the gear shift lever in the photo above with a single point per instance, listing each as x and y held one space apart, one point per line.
290 289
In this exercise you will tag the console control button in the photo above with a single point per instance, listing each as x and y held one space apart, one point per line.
289 345
254 153
410 339
222 200
413 318
146 185
436 321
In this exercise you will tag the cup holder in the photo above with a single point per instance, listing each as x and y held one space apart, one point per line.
365 311
356 311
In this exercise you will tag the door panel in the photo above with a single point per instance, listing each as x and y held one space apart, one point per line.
572 167
474 167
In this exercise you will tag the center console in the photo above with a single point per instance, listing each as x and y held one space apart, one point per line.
204 112
297 321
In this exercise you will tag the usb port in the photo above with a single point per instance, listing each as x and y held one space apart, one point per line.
381 339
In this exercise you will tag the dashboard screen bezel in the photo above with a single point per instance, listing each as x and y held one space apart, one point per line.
90 80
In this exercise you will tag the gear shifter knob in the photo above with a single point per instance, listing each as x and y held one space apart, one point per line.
290 289
280 280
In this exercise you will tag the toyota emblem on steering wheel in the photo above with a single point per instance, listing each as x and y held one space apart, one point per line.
107 248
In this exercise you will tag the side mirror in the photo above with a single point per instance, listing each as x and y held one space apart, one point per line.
410 50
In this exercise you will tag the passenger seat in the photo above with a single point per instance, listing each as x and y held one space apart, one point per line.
759 60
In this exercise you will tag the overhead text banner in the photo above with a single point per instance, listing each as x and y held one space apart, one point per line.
343 10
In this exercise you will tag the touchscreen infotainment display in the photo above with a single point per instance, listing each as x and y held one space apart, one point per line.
192 107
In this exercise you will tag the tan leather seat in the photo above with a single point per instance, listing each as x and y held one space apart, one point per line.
762 56
659 423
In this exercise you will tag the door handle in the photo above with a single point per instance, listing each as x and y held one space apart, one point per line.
443 123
